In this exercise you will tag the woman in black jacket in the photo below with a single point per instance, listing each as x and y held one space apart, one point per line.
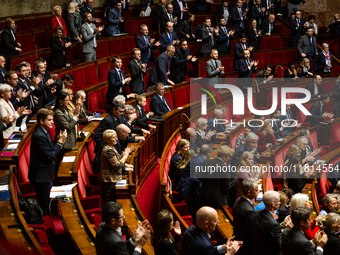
331 224
162 240
59 46
160 9
254 35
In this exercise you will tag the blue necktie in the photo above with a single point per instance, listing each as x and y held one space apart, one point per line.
170 38
149 50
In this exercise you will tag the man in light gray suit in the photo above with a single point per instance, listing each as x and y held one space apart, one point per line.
307 45
214 69
90 35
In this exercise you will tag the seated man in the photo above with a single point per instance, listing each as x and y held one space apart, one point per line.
115 18
88 7
168 37
130 119
161 69
315 88
85 116
220 128
239 48
246 67
264 75
159 104
307 156
268 25
276 124
196 239
288 119
250 145
123 135
141 102
310 148
109 239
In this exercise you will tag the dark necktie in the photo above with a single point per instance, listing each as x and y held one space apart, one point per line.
117 122
141 74
216 65
147 42
164 101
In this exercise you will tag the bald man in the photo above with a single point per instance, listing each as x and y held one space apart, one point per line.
267 237
123 132
2 70
220 128
268 25
190 134
196 239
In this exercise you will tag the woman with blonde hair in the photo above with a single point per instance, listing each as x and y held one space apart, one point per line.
162 239
58 20
201 136
331 224
266 136
182 146
74 23
304 69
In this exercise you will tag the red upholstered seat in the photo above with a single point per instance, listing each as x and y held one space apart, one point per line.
126 60
26 24
96 102
115 47
74 55
52 132
203 71
79 78
328 85
335 135
91 74
195 50
169 99
93 178
91 147
263 59
42 239
25 186
95 219
301 116
277 58
42 22
103 70
180 97
128 44
147 106
273 42
102 49
227 63
27 42
42 40
291 56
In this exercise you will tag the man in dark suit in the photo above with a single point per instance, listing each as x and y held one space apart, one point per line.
315 88
225 36
146 44
204 153
257 12
266 231
307 45
268 5
296 26
218 127
180 7
289 122
117 81
9 45
208 34
85 116
65 82
294 240
185 29
246 66
88 7
239 48
196 239
4 124
43 156
18 97
168 37
179 66
130 120
2 70
161 69
264 75
268 25
244 212
159 104
108 237
276 123
168 17
124 138
137 70
250 145
197 32
238 17
141 103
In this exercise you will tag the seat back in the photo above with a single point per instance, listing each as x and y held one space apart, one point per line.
180 97
96 101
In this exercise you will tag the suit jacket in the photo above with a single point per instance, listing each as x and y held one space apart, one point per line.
238 49
213 191
160 68
136 84
88 44
267 238
157 106
57 57
112 27
332 246
220 12
288 130
320 62
165 18
179 66
197 31
65 121
223 41
253 39
59 85
165 40
197 160
265 26
256 14
5 109
304 43
132 126
261 77
84 10
43 155
28 101
174 172
73 26
115 84
316 110
236 19
8 44
55 22
177 9
336 95
166 247
264 3
42 92
3 127
207 42
295 242
311 88
202 6
185 29
2 75
159 12
144 48
276 128
296 31
214 73
83 120
196 242
110 242
245 74
244 213
296 182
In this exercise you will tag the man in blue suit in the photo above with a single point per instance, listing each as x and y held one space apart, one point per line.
296 26
239 48
225 35
159 105
146 44
238 17
117 81
161 69
43 154
115 17
169 37
196 239
2 70
257 12
268 25
246 67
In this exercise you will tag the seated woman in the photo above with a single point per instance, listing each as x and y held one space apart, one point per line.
74 23
290 73
59 46
331 225
112 165
241 138
297 175
174 173
162 240
58 20
254 34
7 112
266 136
329 202
201 136
246 170
304 69
302 200
323 61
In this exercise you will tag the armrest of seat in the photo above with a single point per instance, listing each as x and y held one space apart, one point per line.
92 190
93 202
